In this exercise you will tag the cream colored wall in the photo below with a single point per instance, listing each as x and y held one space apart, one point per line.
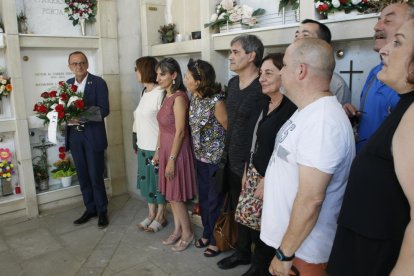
129 45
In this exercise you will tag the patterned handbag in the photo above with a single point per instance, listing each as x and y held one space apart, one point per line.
249 208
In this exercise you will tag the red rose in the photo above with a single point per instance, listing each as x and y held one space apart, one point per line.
343 1
44 95
79 104
61 115
74 88
35 108
62 155
52 94
64 97
42 109
59 108
62 149
61 83
323 7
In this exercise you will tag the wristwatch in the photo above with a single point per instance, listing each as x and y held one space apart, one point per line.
172 157
281 257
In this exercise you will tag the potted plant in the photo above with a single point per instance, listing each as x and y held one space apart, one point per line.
22 23
228 12
167 33
41 172
294 4
64 168
5 89
6 172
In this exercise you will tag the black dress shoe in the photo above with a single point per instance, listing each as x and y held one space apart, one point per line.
84 218
103 221
253 271
232 261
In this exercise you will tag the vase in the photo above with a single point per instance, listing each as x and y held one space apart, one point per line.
167 39
6 187
341 15
44 184
231 27
22 27
1 106
82 26
66 181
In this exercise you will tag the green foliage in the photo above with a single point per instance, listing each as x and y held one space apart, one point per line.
61 173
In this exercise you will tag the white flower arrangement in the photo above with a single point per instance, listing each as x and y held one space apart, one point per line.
81 10
229 12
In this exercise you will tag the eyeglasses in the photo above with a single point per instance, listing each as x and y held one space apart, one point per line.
82 63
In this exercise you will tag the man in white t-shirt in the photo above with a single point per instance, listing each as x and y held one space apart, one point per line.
307 173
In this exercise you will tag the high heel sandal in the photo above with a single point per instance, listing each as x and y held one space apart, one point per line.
182 245
173 238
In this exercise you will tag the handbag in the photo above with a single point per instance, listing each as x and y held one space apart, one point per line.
249 208
225 229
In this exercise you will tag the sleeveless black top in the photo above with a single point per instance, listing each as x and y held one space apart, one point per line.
374 203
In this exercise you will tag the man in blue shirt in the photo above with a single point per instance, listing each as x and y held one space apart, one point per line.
377 100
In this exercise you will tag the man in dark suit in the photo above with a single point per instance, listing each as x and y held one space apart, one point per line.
87 141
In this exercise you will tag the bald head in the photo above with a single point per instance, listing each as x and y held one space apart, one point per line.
316 53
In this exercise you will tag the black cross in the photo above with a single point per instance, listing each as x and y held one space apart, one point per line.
351 72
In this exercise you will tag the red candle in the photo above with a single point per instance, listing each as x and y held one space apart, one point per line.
17 190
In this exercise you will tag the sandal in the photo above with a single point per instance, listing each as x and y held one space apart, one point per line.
173 238
200 244
144 224
182 245
211 252
155 226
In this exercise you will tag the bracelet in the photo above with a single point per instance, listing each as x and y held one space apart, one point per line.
172 157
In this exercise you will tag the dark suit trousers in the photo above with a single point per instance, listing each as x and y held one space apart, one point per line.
244 238
90 166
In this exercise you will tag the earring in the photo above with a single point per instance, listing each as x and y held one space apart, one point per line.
173 81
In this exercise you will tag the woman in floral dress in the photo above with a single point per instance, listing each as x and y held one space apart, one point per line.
208 121
174 155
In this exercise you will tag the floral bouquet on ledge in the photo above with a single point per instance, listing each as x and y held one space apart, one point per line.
329 6
81 10
6 169
5 87
229 12
64 166
65 103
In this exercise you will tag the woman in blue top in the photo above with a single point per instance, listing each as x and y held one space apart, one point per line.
208 121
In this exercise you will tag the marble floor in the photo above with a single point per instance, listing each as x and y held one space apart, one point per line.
52 245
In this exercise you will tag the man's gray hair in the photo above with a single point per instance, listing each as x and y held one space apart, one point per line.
251 43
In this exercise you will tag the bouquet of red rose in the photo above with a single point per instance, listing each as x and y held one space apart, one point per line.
65 102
